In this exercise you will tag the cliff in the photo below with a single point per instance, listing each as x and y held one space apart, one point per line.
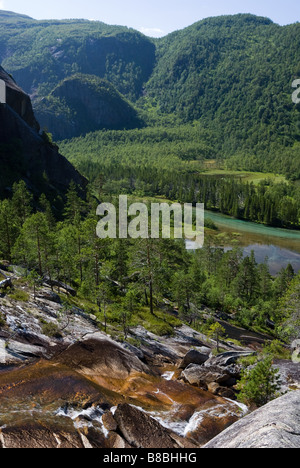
27 155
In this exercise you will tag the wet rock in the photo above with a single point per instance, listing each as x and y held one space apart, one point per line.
141 431
38 436
225 392
91 437
109 422
193 357
275 425
208 422
97 355
115 441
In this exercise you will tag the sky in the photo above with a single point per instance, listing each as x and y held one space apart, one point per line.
154 17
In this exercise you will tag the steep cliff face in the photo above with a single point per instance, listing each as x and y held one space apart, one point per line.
25 154
18 100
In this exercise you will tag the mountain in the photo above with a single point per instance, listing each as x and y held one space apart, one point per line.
84 103
27 155
42 53
233 74
230 75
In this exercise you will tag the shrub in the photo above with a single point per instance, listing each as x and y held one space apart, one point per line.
260 384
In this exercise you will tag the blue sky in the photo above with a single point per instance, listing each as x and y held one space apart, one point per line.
154 17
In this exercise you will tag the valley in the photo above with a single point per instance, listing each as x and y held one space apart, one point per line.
148 343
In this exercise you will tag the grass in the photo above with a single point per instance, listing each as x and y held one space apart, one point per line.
160 323
247 177
19 295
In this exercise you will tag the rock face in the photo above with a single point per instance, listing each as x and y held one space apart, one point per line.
200 375
18 100
141 431
25 154
276 425
100 356
193 357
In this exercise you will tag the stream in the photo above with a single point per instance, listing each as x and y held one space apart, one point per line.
281 246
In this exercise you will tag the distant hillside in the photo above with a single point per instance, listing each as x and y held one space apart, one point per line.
82 104
231 75
234 75
42 53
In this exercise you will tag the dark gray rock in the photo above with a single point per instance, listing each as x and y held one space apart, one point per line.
228 358
142 431
197 375
193 357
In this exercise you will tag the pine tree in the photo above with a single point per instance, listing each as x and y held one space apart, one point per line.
259 385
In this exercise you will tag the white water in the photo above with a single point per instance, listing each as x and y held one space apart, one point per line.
168 375
87 417
243 408
168 419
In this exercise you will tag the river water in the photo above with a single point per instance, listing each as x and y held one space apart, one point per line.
281 246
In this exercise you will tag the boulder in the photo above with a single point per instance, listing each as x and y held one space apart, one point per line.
218 390
38 436
197 375
275 425
228 358
49 296
115 441
109 422
98 355
193 357
142 431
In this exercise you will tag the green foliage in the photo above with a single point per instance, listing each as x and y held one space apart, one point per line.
216 332
289 311
171 162
84 103
51 330
125 281
230 74
42 53
260 384
234 75
19 295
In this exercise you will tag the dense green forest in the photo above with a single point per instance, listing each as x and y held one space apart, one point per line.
171 162
121 277
214 97
42 53
85 103
232 75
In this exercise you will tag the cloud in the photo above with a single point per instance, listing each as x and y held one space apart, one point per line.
153 32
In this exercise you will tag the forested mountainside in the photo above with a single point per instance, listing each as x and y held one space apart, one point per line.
42 53
234 74
84 103
231 74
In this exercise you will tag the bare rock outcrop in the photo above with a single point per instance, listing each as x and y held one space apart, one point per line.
276 425
142 431
27 155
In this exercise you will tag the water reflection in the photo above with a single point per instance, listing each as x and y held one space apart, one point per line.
281 246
